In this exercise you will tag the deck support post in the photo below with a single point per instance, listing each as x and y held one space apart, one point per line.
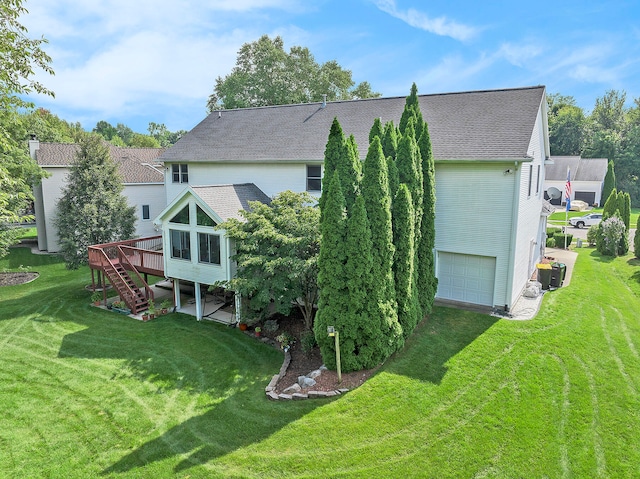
198 294
176 294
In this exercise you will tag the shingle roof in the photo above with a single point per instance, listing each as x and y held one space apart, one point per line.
228 200
492 124
134 164
582 169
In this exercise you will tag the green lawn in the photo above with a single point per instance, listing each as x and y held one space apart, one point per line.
558 218
87 393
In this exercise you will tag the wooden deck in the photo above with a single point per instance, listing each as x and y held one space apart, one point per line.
145 254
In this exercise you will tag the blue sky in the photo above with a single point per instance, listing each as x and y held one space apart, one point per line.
137 61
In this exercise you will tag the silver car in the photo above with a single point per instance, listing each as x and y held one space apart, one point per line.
586 220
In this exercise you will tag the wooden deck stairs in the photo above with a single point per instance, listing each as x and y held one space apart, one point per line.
126 264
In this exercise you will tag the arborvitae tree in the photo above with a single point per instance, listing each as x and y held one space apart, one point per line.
427 281
404 268
626 208
92 209
331 276
376 130
394 179
362 339
411 108
410 169
349 168
389 140
335 149
610 205
636 240
375 190
609 181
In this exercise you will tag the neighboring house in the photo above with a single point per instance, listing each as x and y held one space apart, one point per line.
490 150
587 179
143 183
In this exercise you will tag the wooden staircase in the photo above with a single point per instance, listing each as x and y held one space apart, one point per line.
133 296
121 264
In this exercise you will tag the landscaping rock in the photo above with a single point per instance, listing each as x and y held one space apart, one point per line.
316 394
294 388
285 396
299 396
314 374
272 396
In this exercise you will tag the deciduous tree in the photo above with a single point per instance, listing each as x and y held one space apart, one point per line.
277 248
267 75
20 56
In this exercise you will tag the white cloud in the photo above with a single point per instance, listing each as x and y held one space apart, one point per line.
439 26
453 73
519 55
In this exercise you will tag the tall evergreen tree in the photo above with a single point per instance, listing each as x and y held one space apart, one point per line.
625 203
92 209
333 294
334 151
636 240
363 341
427 281
609 181
350 170
611 206
411 109
389 140
404 264
375 190
376 130
394 179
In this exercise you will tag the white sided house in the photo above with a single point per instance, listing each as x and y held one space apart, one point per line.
142 178
490 150
587 179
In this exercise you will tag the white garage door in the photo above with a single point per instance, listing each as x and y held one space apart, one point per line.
466 278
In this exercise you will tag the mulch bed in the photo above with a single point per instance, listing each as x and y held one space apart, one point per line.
12 279
303 363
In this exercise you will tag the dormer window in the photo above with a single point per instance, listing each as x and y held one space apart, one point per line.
180 173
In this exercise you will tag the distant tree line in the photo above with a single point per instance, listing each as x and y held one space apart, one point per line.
610 131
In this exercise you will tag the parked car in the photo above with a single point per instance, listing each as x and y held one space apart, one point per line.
579 205
586 220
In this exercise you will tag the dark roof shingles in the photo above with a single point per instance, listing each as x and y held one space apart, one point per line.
134 164
495 124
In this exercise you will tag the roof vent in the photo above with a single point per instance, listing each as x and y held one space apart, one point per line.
324 100
219 114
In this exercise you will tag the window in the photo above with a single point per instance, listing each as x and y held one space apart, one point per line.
314 178
530 179
146 212
209 248
180 244
182 217
202 218
180 173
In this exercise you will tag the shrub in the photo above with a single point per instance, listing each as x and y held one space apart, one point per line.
551 243
270 326
560 238
308 342
552 231
592 235
286 340
613 232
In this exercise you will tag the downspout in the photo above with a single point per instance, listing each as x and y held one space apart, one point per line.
514 232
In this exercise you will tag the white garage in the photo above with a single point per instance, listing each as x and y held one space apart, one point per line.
466 278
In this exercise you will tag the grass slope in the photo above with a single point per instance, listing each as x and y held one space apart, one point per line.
86 393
